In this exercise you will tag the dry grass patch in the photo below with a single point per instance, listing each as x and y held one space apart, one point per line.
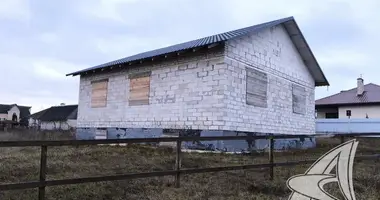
22 164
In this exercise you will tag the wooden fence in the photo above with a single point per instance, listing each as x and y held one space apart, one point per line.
42 183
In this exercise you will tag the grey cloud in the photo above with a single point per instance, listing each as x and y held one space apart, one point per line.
74 37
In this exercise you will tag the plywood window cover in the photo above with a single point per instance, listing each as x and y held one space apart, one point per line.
256 88
298 99
99 93
139 88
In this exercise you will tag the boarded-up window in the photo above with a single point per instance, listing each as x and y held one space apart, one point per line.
299 99
257 85
99 93
139 87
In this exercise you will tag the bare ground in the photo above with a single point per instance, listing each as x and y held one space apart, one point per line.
22 164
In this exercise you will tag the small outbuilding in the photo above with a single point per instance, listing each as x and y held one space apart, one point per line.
55 118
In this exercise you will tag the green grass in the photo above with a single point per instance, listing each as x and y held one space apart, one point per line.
22 164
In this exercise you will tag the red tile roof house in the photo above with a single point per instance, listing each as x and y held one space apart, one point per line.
260 79
360 102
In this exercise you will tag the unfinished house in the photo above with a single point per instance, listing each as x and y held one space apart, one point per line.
255 80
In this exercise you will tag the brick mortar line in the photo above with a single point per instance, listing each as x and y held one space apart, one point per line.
278 76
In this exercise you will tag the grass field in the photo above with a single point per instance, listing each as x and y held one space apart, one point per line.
22 164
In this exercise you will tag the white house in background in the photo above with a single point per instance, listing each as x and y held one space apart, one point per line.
361 102
257 79
14 112
62 117
356 110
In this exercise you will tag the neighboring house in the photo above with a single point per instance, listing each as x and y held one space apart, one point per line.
14 112
257 79
55 118
360 102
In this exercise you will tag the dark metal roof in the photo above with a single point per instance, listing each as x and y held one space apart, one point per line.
57 113
37 115
4 108
371 95
24 111
288 22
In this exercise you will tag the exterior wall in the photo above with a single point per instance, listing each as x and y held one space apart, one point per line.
208 92
373 111
72 123
14 110
183 93
270 51
321 113
3 116
48 126
348 125
32 122
56 125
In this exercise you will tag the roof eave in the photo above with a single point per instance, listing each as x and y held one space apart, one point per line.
348 104
150 58
306 53
319 84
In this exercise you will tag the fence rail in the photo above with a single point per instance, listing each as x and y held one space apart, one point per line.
43 183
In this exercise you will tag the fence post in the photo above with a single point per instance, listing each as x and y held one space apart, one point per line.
178 163
271 147
41 190
342 139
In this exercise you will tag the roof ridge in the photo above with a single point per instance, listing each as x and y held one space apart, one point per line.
65 105
372 84
14 104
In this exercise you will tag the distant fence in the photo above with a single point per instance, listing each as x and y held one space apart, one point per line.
347 125
42 183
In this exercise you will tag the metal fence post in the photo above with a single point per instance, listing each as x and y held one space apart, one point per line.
41 190
178 164
271 147
342 139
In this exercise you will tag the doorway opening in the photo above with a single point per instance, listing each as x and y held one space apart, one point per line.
14 117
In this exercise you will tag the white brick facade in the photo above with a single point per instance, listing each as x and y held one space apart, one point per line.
270 51
183 93
208 91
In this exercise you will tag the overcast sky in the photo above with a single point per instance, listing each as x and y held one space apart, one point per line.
42 40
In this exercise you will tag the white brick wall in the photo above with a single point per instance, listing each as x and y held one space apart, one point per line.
58 125
208 91
183 93
272 52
